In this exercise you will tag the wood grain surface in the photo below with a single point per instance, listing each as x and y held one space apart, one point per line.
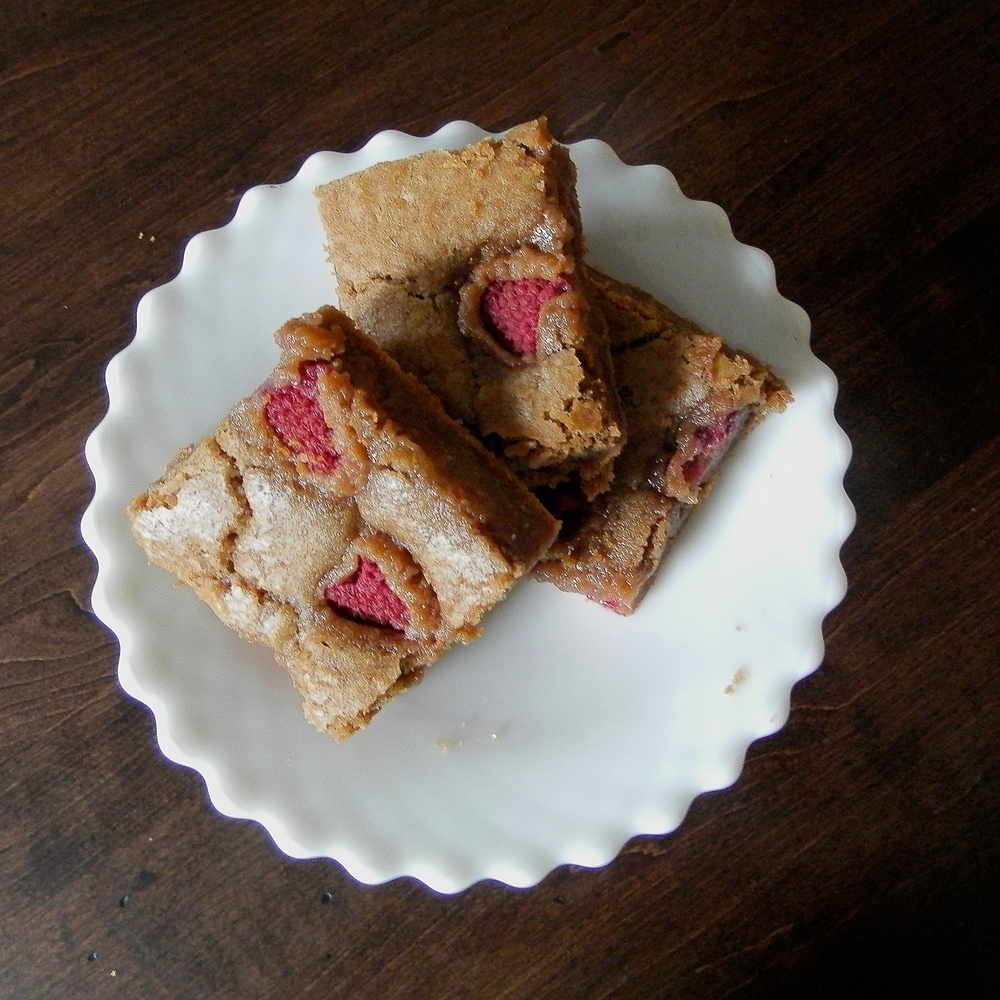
856 143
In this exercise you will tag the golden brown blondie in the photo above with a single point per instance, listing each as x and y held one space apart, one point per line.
339 516
687 399
467 266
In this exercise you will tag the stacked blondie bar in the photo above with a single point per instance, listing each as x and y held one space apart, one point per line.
485 405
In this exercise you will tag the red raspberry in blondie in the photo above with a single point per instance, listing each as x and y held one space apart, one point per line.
366 596
510 310
294 412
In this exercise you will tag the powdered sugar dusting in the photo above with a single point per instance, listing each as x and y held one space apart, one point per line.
269 503
204 510
291 539
472 566
460 565
242 605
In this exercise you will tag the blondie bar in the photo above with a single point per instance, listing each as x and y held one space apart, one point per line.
339 516
687 399
467 266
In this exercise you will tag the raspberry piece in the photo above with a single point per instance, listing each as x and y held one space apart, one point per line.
712 440
295 414
366 597
509 310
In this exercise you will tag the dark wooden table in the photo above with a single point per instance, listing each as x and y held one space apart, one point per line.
859 145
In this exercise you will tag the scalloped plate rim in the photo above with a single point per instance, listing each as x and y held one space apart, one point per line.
520 870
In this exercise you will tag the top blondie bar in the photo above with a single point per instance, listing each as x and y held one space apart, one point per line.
340 517
467 265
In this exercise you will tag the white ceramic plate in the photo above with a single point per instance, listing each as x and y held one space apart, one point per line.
566 729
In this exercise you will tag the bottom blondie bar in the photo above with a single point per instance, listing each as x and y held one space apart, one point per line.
687 398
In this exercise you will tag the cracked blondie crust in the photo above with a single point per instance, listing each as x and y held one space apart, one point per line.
467 266
687 399
339 516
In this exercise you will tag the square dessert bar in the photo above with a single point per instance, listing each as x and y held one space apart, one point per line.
687 399
339 516
466 265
